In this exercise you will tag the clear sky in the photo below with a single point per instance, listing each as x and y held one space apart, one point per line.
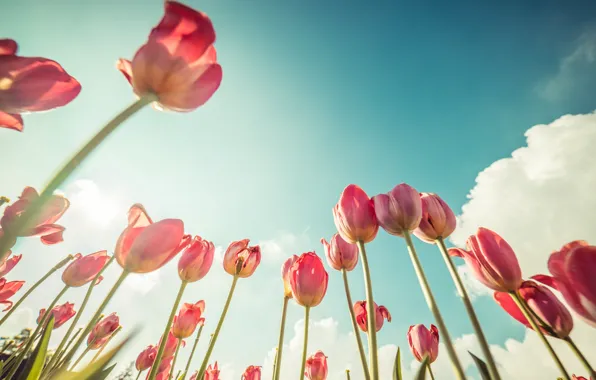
315 95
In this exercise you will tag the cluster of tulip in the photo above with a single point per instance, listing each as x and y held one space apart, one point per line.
177 69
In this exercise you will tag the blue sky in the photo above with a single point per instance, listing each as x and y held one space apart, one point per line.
315 95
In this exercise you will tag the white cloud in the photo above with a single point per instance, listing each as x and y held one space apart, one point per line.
142 283
87 200
276 250
474 287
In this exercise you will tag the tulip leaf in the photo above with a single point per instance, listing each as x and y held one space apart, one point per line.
397 366
34 365
482 367
421 374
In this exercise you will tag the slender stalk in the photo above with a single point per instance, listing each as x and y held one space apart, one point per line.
60 361
79 359
528 315
430 372
106 344
354 325
178 374
347 374
6 346
274 364
217 328
68 169
280 342
175 357
139 375
432 305
31 289
371 315
192 352
490 361
166 331
305 344
580 356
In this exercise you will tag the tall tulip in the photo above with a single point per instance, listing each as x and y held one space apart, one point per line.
8 264
252 372
196 260
146 358
187 320
84 268
381 314
7 290
316 366
424 342
285 277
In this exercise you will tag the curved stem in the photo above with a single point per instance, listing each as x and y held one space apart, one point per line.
280 342
344 274
305 344
192 352
580 356
432 305
430 372
521 304
80 358
175 357
371 315
166 331
490 361
217 328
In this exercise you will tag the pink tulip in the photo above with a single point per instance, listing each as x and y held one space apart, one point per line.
145 246
194 375
83 269
30 84
61 313
187 320
544 304
316 366
574 377
340 254
7 290
491 260
308 280
424 342
240 259
146 358
196 260
8 264
178 63
381 313
170 347
211 373
438 220
102 331
43 224
399 210
164 369
354 216
252 372
285 275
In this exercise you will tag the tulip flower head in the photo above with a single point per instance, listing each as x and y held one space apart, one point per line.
188 319
178 63
211 373
354 216
285 275
146 358
171 343
340 254
316 366
491 260
381 313
83 269
308 280
423 342
399 210
438 220
196 260
574 377
8 264
252 372
61 313
30 84
7 290
240 259
102 331
145 246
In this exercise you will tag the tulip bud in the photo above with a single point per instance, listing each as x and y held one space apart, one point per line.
196 260
399 210
308 280
252 373
240 259
316 366
61 313
354 216
84 268
381 313
285 275
424 342
103 330
340 254
438 220
146 358
187 320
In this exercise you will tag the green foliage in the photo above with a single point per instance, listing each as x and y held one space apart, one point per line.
421 374
482 367
34 365
397 366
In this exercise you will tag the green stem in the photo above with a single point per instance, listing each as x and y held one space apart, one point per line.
355 325
175 357
192 352
521 304
430 372
274 364
79 359
305 344
217 328
280 342
96 356
371 315
459 285
166 332
580 356
432 305
347 374
139 375
39 282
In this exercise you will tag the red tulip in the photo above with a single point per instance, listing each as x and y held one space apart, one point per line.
187 320
544 304
354 216
491 260
424 342
574 377
30 84
145 246
102 331
211 373
8 264
196 260
285 275
7 290
171 344
308 280
316 366
146 358
399 210
43 224
381 313
252 372
438 220
240 259
83 269
178 63
340 254
61 313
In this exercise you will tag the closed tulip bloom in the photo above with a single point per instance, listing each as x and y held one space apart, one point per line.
240 259
106 326
164 369
285 275
43 224
252 372
30 84
354 216
316 366
196 260
211 373
308 280
83 269
544 304
491 260
7 290
145 246
381 313
399 210
146 358
171 344
8 264
188 319
423 342
61 313
340 254
438 220
178 63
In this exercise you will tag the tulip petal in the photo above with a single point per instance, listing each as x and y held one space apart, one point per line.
138 217
125 67
8 47
154 246
547 280
11 121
